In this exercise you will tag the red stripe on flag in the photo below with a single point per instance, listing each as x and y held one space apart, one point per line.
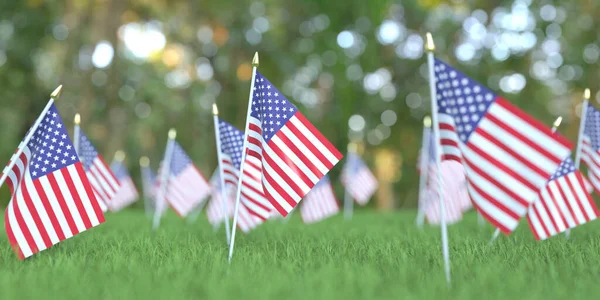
533 122
23 226
34 214
318 135
62 203
11 236
88 190
46 202
76 199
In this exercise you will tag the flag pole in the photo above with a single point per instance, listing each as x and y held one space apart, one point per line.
245 149
164 178
55 94
554 128
430 48
144 165
424 166
582 119
224 204
348 201
77 134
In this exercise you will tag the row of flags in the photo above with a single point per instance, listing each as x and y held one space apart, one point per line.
61 186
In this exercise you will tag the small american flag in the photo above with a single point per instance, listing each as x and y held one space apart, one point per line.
358 179
320 203
454 189
508 156
128 193
562 204
254 206
214 209
294 154
51 199
186 187
590 152
103 181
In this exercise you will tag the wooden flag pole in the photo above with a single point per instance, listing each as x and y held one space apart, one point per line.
55 94
348 201
582 119
430 48
224 204
554 128
145 170
245 149
164 178
424 166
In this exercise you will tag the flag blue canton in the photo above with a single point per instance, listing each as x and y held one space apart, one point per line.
565 167
51 146
270 107
87 152
232 142
119 170
180 160
592 126
462 98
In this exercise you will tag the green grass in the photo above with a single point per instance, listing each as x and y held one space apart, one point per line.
376 256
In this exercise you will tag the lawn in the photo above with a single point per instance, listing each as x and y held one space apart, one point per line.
375 256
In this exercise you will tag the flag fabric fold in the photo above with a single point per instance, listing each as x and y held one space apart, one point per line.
294 154
254 207
127 193
51 197
508 156
103 181
562 204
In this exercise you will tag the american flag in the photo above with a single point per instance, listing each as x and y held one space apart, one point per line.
103 181
254 206
562 204
214 210
590 151
51 199
358 179
508 155
454 189
128 193
454 185
186 187
320 203
294 154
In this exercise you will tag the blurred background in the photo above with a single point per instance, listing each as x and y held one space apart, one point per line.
355 68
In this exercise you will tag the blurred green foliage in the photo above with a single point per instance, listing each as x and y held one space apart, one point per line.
131 103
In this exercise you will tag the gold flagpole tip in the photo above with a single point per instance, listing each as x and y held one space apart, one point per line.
56 92
120 155
255 60
215 109
172 133
586 94
427 121
77 120
557 122
429 45
144 161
